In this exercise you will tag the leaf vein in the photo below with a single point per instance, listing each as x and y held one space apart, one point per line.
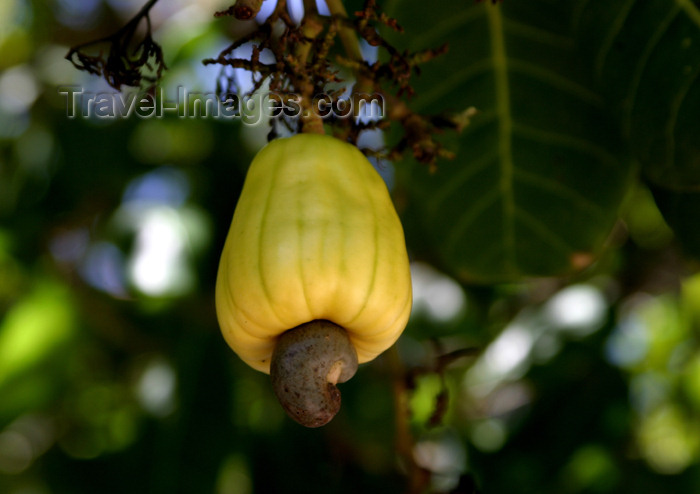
467 217
561 190
555 80
540 228
675 109
691 10
448 24
457 79
609 40
458 180
641 65
481 119
536 34
565 141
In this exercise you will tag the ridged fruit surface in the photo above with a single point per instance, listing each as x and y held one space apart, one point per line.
314 236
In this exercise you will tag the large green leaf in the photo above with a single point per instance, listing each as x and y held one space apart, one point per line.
540 171
646 59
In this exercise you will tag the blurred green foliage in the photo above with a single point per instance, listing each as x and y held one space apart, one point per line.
114 377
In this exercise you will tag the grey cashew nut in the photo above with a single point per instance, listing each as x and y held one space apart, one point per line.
307 363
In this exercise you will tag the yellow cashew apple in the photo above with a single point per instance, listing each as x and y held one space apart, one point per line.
314 237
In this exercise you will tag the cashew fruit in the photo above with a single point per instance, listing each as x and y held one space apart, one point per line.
314 275
314 237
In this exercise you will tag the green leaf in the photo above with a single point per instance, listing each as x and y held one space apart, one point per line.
681 210
540 171
646 58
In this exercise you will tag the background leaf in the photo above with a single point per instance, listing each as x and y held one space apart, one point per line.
646 60
681 211
540 171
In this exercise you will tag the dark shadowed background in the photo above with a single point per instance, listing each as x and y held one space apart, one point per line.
560 243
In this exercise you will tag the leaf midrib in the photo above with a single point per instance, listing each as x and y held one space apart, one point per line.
505 124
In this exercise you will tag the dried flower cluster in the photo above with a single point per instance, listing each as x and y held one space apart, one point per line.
125 64
304 62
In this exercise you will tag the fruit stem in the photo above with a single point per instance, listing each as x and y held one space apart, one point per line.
311 28
347 35
351 45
